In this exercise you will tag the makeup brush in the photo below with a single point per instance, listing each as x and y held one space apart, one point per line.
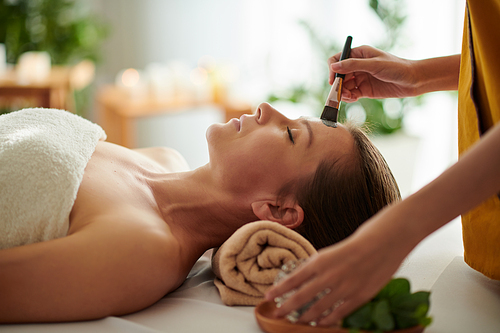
331 111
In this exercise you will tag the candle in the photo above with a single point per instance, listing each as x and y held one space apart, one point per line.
201 88
180 79
161 85
132 81
33 67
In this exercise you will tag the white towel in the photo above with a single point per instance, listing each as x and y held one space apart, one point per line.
43 153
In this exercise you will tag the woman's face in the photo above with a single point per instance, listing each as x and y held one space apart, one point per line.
266 150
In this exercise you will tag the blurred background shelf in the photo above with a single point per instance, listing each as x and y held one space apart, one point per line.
53 90
119 109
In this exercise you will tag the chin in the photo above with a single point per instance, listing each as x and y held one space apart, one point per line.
212 131
215 135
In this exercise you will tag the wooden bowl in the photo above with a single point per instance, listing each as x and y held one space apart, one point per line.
264 311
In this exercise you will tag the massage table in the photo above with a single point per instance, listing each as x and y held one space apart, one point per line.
462 300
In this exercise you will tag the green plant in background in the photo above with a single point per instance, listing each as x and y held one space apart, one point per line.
381 116
63 28
393 308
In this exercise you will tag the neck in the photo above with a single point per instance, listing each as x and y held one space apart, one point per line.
200 214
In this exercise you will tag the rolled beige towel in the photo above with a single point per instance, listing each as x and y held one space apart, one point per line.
247 263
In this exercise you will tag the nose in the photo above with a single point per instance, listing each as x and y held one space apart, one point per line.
266 113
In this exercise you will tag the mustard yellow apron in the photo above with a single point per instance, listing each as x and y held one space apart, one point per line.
478 111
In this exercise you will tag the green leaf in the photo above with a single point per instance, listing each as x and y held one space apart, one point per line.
421 310
395 287
425 321
410 310
410 302
382 317
361 318
405 321
394 307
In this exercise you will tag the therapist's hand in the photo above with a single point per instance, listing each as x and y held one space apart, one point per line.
373 73
353 271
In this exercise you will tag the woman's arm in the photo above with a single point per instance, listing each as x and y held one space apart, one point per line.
373 73
107 268
357 268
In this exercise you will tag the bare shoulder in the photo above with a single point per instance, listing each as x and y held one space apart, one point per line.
169 158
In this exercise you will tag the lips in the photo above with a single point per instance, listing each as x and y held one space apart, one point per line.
240 121
236 123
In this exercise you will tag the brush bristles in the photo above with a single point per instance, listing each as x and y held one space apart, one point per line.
329 123
330 116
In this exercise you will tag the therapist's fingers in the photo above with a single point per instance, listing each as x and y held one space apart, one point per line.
331 76
318 286
355 88
348 76
364 59
350 91
322 307
292 281
334 59
337 313
356 53
351 65
334 306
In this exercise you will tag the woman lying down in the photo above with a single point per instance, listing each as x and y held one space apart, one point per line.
90 229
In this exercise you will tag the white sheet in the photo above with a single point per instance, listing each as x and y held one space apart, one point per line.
464 300
460 296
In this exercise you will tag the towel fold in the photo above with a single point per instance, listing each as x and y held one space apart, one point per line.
247 263
43 154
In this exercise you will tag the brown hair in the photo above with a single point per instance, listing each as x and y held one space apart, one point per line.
344 192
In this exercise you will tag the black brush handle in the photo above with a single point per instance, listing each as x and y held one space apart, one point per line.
346 51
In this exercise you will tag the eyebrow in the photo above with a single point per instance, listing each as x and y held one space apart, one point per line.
309 129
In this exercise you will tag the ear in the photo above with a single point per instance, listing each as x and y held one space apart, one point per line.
288 213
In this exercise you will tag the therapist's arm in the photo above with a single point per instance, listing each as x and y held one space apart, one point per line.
372 73
358 267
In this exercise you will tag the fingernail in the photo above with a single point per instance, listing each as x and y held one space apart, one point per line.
336 65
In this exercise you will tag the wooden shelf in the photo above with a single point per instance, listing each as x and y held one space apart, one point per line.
119 108
55 91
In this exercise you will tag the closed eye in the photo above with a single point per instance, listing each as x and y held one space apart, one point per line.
290 134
